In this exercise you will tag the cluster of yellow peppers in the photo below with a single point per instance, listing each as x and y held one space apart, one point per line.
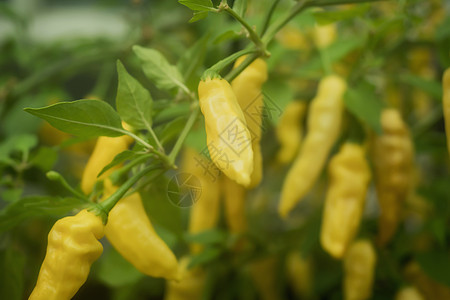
233 125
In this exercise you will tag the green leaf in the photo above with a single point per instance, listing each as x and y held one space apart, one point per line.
120 158
212 236
36 206
45 158
431 87
115 271
11 195
327 17
86 118
198 16
155 66
362 103
436 264
21 143
226 36
200 5
158 207
240 7
12 274
208 255
171 130
134 102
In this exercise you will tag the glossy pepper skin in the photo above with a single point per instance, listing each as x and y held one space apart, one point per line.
104 152
349 175
234 204
359 267
290 131
393 162
191 285
72 248
324 122
446 104
132 234
247 88
229 141
409 293
205 212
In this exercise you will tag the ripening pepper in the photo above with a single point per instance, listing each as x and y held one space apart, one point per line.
290 130
72 248
446 104
132 234
409 293
299 273
393 162
234 204
263 273
293 38
104 152
228 139
247 88
190 286
344 203
359 268
205 211
324 123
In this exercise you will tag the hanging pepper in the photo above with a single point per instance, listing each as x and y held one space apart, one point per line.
359 267
104 152
344 204
290 130
228 139
393 161
299 271
131 233
264 276
190 286
324 35
446 104
205 211
234 202
324 122
72 248
409 293
247 88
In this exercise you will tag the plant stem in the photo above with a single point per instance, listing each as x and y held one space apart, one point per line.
109 203
280 23
269 16
55 176
253 35
216 68
118 173
157 141
179 143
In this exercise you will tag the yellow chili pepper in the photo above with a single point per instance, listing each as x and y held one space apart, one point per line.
290 130
229 141
132 234
72 248
300 274
205 212
409 293
104 152
234 202
191 285
247 88
446 104
293 38
393 161
344 204
359 267
324 35
324 122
